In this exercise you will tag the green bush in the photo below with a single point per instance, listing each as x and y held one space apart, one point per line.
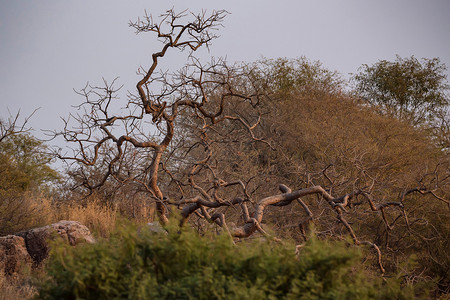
135 264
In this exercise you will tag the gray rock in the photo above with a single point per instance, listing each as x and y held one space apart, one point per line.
155 227
37 239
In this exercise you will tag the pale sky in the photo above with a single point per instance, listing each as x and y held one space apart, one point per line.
50 47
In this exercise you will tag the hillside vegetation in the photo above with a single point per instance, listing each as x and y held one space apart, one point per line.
273 179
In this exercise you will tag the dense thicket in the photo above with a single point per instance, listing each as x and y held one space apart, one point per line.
318 135
310 133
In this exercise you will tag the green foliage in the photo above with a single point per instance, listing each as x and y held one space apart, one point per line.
138 265
297 76
24 176
410 89
24 164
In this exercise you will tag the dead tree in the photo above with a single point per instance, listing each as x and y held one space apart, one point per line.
187 90
222 103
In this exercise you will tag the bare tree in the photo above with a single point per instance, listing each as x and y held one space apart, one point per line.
12 125
174 136
186 90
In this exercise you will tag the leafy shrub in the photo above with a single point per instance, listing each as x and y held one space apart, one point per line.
182 265
25 183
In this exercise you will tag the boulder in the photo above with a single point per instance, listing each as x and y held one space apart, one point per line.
155 227
37 239
14 257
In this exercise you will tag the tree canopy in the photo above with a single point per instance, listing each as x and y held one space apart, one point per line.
25 176
408 88
24 164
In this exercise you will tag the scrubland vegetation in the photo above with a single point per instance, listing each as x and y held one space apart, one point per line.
183 265
274 179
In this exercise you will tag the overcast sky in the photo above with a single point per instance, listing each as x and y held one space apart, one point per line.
48 48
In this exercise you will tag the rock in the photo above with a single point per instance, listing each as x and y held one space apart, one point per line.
155 227
36 239
73 232
14 257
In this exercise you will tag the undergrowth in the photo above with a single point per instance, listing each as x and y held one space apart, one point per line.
136 264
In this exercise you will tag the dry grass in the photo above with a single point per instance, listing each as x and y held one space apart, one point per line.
100 219
24 211
17 288
29 211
